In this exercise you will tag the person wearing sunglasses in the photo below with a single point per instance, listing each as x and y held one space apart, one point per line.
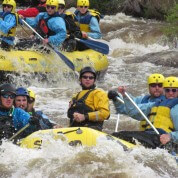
49 25
88 21
73 31
33 11
90 107
11 119
8 24
144 102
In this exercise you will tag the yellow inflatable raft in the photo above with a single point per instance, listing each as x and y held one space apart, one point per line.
32 61
73 135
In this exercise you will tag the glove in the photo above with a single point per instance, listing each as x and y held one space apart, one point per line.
34 121
112 95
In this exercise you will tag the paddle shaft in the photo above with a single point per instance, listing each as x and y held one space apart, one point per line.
64 58
19 132
152 126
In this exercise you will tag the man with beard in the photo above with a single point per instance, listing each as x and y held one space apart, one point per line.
90 107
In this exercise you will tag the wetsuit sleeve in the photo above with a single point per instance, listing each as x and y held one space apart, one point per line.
57 25
174 116
133 112
95 29
101 107
8 23
34 21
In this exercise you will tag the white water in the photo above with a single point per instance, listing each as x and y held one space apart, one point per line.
127 37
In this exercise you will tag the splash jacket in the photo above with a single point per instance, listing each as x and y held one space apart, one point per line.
33 11
12 120
94 104
8 24
89 23
54 26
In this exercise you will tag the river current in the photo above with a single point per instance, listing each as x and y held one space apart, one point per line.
128 38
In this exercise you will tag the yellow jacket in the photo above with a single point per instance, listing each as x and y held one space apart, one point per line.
98 101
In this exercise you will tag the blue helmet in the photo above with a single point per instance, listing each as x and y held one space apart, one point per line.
21 91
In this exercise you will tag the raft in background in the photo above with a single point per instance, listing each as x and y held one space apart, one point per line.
36 62
73 135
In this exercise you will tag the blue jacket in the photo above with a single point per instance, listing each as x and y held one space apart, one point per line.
7 24
45 122
174 117
19 116
55 24
94 26
145 103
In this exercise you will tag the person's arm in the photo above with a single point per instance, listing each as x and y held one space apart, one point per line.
58 26
133 112
8 23
34 21
174 116
30 12
101 106
95 29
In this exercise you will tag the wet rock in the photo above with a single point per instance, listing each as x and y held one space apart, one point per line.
147 8
164 58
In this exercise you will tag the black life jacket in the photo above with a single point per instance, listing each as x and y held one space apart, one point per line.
80 107
7 128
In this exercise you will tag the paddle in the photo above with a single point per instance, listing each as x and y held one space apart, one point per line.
64 58
118 115
19 132
141 113
95 45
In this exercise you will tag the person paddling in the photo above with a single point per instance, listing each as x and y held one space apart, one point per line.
49 25
8 24
88 21
163 116
90 107
144 102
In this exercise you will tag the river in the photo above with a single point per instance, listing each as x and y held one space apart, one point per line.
128 38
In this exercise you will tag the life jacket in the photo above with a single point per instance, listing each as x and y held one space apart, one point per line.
7 128
79 106
83 23
42 27
160 115
11 33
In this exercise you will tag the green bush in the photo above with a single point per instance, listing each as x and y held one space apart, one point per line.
172 18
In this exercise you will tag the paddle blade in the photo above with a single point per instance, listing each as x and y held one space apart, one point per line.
96 45
65 59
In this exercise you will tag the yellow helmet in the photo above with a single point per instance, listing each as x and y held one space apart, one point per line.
83 3
12 3
52 3
61 2
171 82
155 78
31 94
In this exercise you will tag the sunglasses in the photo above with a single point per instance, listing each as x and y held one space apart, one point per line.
153 85
51 7
12 96
88 77
30 101
61 7
167 90
83 7
6 5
